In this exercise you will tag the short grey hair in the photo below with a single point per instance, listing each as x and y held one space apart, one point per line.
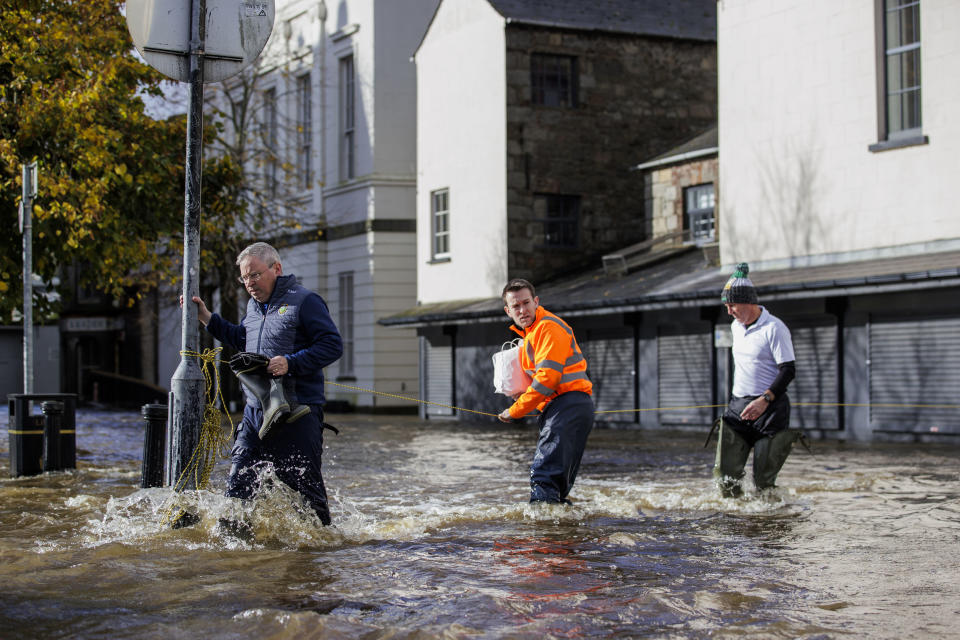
260 250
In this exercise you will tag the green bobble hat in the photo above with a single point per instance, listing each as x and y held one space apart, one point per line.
739 289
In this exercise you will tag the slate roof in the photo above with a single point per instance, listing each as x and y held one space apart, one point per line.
686 19
684 279
703 144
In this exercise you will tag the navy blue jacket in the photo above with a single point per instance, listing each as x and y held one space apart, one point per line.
294 323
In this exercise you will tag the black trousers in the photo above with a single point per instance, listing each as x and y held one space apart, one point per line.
564 426
294 449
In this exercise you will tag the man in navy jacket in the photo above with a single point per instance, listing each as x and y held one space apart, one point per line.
292 326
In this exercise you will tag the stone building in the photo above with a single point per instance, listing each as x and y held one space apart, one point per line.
680 190
530 115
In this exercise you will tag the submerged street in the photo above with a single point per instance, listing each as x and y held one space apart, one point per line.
432 537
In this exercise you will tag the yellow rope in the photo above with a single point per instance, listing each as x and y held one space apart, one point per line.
679 408
213 443
393 395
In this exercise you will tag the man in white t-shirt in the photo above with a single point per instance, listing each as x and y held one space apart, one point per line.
758 415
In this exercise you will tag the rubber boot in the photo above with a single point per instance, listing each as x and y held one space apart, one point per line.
769 454
251 371
732 452
275 396
297 410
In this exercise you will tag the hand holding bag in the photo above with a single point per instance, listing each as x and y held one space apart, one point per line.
509 378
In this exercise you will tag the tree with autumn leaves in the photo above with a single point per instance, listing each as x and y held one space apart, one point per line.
111 182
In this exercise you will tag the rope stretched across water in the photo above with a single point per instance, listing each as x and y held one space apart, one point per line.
677 408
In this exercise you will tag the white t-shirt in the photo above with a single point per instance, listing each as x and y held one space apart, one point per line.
757 350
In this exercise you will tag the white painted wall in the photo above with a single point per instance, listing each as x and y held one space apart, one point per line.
797 111
461 145
381 35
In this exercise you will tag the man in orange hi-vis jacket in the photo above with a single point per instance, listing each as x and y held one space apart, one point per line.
560 390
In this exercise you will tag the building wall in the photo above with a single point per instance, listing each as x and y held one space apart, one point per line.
399 25
637 97
46 359
666 192
799 184
461 130
381 35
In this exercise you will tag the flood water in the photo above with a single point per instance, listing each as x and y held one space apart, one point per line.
432 537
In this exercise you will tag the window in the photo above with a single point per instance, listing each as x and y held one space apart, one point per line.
898 78
305 130
698 206
269 132
347 118
560 217
345 322
440 214
553 80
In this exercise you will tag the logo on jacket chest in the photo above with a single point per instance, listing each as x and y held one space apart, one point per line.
282 310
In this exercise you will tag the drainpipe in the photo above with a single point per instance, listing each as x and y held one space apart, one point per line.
322 221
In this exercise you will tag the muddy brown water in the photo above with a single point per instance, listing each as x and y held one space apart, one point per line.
432 537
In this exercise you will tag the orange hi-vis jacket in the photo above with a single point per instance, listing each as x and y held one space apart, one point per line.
551 356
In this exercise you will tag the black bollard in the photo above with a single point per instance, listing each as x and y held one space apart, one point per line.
52 421
68 432
26 439
154 443
26 432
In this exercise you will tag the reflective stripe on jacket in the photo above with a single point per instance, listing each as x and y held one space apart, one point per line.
551 356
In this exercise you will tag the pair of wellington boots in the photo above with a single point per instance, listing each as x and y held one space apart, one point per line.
279 406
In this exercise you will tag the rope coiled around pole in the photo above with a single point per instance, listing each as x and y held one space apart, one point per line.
213 443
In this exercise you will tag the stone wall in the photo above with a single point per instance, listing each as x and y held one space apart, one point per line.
666 192
637 98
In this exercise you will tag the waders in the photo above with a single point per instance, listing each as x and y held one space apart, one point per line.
769 455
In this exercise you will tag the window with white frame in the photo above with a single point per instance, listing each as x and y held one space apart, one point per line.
346 322
899 113
270 140
698 205
304 130
440 215
347 119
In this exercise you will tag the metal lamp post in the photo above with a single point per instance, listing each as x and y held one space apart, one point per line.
195 41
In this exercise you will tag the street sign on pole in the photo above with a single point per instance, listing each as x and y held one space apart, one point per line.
194 41
233 33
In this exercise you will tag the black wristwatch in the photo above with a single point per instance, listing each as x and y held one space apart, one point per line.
766 396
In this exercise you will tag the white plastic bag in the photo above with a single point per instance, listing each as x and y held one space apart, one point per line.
509 378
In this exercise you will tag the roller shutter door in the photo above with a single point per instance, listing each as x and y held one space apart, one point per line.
685 377
914 362
439 378
610 367
815 345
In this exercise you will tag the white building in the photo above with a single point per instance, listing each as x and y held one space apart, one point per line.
838 129
332 162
